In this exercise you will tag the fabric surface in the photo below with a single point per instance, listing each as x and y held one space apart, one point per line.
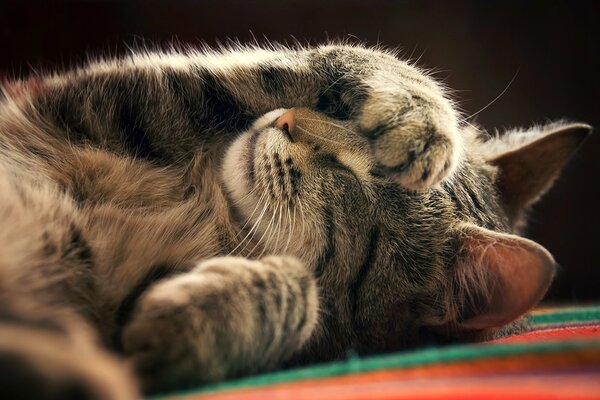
558 357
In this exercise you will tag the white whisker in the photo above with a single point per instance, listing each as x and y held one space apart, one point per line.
251 215
254 227
332 124
258 243
345 74
279 227
302 216
316 136
494 100
267 241
290 227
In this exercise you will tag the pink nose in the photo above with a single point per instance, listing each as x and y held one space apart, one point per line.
286 121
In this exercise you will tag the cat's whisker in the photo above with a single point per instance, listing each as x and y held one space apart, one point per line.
268 233
277 247
255 227
332 124
316 136
280 229
290 227
259 222
493 101
267 229
253 212
252 192
243 198
471 125
276 228
302 216
344 75
247 221
250 232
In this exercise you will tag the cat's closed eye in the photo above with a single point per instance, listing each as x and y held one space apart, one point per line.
331 161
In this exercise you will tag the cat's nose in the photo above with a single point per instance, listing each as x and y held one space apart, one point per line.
287 122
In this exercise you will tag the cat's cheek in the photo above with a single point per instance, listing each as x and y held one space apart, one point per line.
235 168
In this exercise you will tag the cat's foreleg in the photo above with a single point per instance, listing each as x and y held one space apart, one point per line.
47 348
48 353
228 317
411 124
168 107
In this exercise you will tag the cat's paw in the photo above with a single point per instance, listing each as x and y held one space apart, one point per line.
415 159
168 337
418 145
46 364
227 317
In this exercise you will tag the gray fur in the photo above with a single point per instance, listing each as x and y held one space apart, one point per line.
128 204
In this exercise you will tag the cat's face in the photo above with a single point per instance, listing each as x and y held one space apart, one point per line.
291 172
308 189
390 261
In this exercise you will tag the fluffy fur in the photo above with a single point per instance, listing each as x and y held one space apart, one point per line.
178 206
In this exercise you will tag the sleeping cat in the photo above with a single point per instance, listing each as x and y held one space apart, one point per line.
214 214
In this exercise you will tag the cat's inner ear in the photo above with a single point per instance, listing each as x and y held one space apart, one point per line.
531 162
498 277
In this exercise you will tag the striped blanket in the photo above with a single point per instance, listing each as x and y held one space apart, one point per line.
558 358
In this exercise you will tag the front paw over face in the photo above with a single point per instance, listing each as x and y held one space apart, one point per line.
415 140
415 157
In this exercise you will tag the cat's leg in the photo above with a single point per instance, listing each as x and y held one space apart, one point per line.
414 137
47 349
48 353
167 107
407 117
227 317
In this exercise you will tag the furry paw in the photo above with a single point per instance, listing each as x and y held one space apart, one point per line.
228 317
170 335
163 350
415 139
415 159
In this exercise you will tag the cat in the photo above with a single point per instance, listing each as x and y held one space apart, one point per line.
210 214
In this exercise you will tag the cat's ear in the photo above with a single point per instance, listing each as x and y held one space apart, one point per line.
529 162
498 277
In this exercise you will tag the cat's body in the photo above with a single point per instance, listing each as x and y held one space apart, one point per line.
122 182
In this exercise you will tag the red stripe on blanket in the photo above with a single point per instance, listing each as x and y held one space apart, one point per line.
515 388
523 376
555 333
557 370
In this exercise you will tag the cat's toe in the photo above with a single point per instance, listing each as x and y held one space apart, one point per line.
168 340
146 341
416 160
157 349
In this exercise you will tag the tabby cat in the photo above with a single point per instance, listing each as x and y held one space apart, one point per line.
211 214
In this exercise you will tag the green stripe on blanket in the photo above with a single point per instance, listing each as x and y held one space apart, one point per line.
566 315
428 356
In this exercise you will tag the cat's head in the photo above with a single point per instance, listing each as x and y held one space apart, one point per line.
394 263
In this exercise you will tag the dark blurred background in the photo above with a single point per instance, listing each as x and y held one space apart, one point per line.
549 47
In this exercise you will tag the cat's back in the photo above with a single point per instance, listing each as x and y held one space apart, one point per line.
34 151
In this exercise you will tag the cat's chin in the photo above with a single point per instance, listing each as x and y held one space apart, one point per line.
236 169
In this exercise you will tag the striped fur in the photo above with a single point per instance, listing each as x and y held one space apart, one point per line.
154 200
